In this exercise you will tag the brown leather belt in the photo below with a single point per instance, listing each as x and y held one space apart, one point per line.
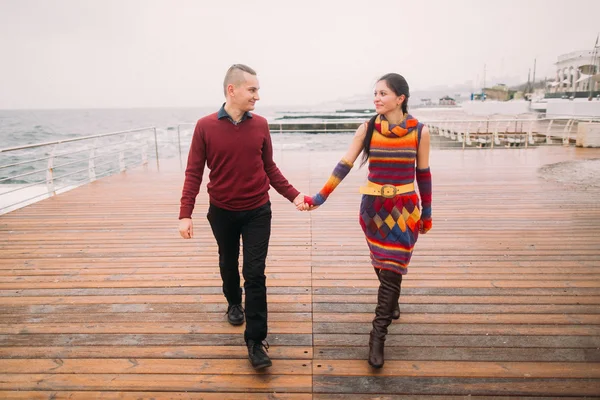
387 191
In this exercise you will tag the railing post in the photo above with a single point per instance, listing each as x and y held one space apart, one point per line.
529 139
145 153
50 173
494 135
548 139
179 147
469 142
92 162
122 157
567 132
156 148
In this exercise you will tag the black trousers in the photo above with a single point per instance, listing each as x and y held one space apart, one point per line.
254 227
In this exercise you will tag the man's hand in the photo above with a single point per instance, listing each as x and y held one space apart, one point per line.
299 199
302 205
186 228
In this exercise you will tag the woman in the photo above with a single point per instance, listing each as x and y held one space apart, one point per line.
396 146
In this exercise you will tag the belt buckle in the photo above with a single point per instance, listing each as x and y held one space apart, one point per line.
384 192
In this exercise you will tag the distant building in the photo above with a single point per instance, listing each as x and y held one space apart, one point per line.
500 92
576 72
447 101
426 102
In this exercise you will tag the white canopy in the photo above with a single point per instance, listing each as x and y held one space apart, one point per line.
584 77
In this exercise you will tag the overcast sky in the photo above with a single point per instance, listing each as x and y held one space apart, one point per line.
140 53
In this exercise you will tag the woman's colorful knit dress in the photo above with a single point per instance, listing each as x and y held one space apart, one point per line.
391 225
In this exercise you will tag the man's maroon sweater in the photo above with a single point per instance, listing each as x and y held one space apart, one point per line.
240 159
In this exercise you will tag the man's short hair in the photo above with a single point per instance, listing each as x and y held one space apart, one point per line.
235 76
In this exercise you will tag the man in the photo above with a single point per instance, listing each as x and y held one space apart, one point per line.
236 146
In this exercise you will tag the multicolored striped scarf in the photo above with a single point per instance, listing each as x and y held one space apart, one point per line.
392 130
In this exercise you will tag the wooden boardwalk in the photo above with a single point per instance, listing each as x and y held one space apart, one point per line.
100 298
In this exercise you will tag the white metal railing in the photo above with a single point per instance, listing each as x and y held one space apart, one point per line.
486 132
514 132
68 167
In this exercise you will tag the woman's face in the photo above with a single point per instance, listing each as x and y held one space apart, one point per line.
385 99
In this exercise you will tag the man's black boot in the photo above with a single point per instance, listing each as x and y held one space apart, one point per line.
235 314
257 354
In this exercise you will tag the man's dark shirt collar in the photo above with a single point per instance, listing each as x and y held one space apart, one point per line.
223 114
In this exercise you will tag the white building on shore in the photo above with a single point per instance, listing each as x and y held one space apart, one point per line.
577 71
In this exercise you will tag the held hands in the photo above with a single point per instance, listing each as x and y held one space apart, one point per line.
301 203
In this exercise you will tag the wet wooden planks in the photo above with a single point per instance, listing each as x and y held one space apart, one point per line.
100 299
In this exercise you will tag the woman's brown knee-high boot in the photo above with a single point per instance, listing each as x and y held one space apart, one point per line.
387 298
396 312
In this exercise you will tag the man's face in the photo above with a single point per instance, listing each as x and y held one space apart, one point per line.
245 95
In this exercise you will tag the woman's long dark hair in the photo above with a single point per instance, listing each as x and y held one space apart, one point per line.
398 85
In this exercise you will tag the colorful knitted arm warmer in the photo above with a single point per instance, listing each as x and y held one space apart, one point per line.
424 182
339 173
